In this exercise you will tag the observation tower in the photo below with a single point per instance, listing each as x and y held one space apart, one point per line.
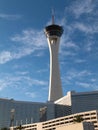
53 33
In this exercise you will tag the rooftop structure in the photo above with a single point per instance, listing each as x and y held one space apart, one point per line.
80 101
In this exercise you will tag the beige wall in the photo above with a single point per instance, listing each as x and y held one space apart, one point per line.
77 126
66 100
39 126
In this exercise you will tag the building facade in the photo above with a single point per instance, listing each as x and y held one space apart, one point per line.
21 112
74 126
90 122
80 101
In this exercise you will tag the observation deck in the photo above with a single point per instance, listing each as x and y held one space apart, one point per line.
54 30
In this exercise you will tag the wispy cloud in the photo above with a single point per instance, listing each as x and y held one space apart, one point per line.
70 45
67 53
79 32
3 84
17 81
78 78
9 81
30 41
67 46
5 56
82 7
78 74
89 46
31 94
35 82
30 37
42 71
79 60
9 16
86 28
84 84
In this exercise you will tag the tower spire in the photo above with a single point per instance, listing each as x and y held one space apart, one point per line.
52 16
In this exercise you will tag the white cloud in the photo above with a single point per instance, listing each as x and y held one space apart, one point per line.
9 16
78 74
42 70
93 80
87 28
67 46
31 94
31 41
80 7
20 81
32 38
75 78
22 51
92 85
89 46
22 72
67 53
3 84
82 84
35 82
79 60
5 56
8 81
28 42
70 45
75 75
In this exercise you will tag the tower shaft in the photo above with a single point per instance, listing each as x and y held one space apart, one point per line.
53 34
55 89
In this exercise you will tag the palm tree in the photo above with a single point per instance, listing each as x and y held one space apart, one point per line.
19 127
78 119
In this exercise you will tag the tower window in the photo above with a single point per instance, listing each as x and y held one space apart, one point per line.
53 40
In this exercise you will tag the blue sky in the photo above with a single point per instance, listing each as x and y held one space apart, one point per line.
24 54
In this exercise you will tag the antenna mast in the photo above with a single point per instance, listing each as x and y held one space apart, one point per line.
52 16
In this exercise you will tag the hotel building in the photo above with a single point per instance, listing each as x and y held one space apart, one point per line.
31 112
21 112
90 122
80 101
